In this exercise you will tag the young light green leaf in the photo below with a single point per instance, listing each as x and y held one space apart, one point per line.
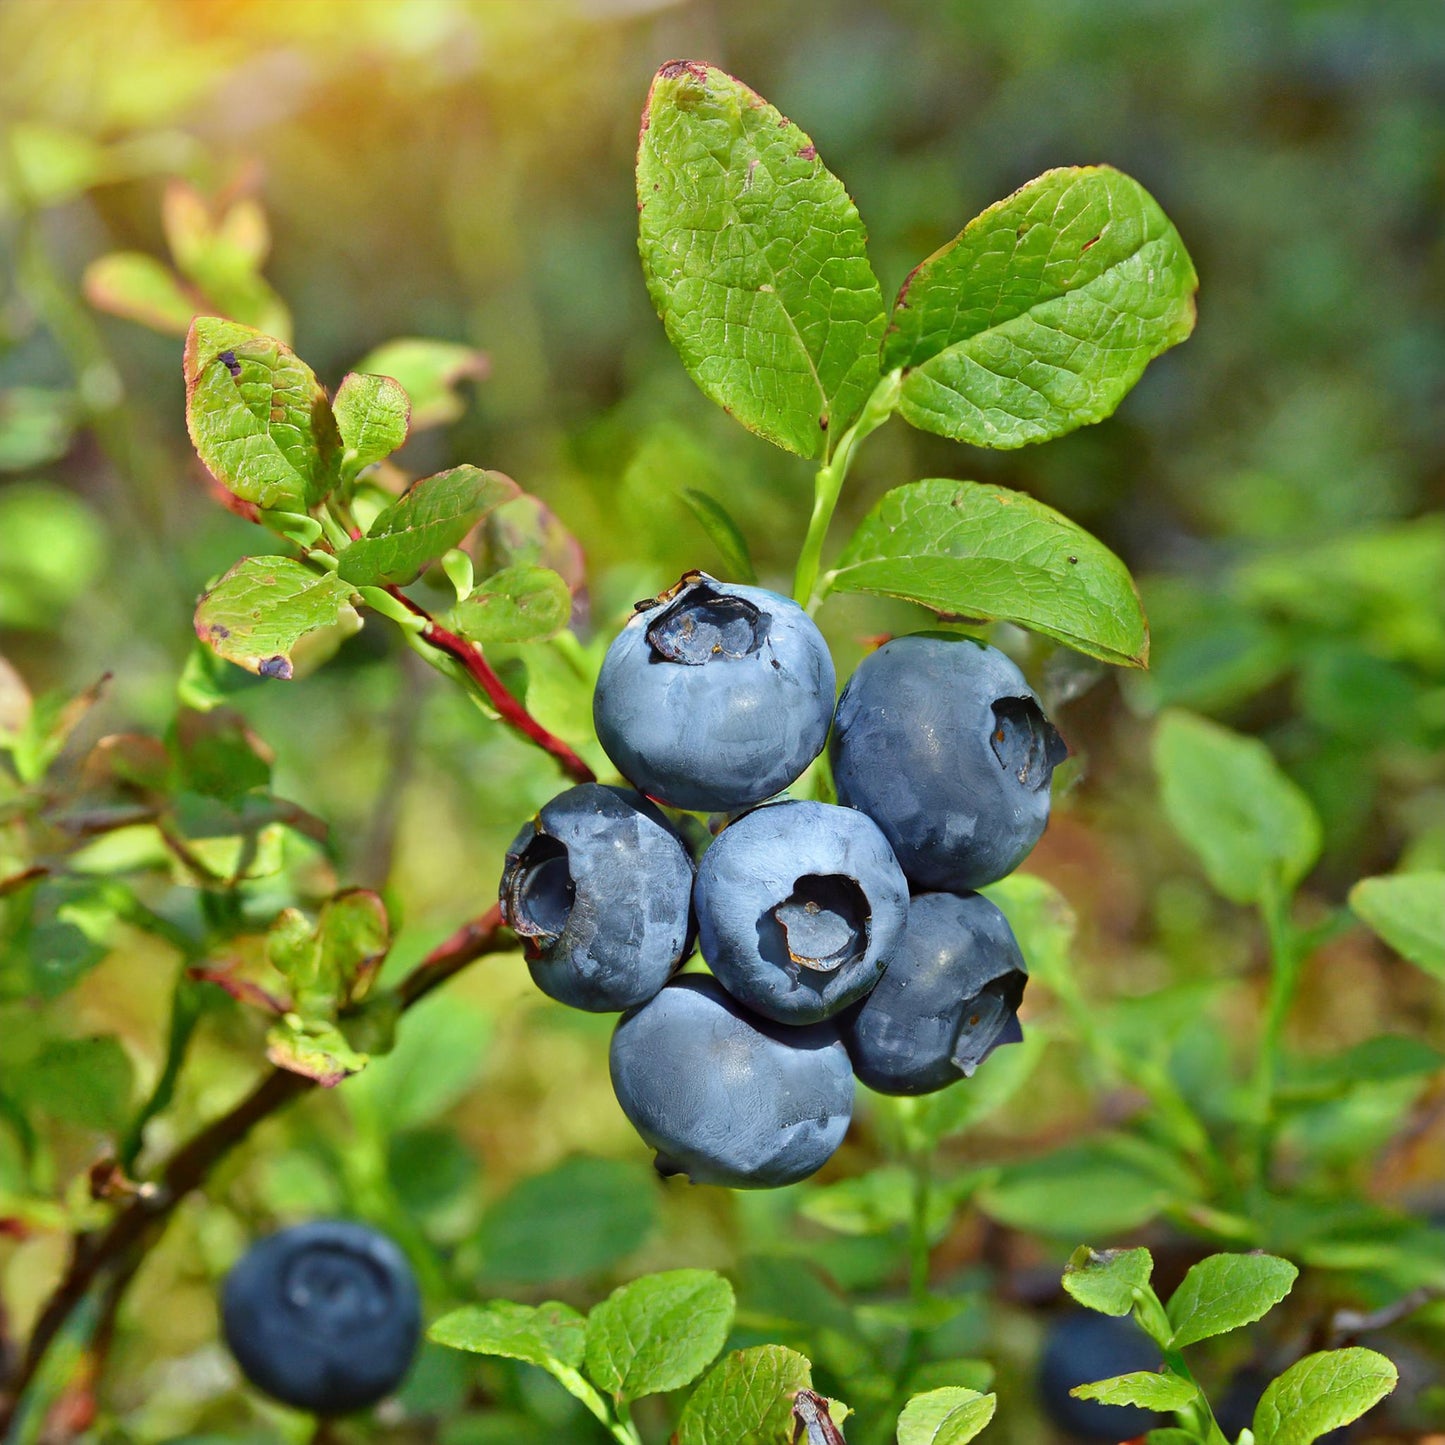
1225 1292
1043 313
987 554
747 1399
1144 1388
433 516
517 604
262 608
658 1332
1407 910
546 1335
429 372
1251 826
755 259
1105 1279
724 533
258 417
314 1048
1320 1393
372 414
951 1416
139 288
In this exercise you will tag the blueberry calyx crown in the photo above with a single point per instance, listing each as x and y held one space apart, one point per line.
703 624
538 892
990 1021
1025 742
825 922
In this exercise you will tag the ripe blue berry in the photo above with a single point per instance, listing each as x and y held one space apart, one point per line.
324 1316
943 744
799 908
715 696
599 889
725 1097
950 997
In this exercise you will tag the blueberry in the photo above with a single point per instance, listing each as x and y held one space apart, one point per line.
715 696
943 744
324 1316
725 1097
599 889
1083 1347
799 908
949 998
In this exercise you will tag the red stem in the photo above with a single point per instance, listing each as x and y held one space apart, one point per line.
508 708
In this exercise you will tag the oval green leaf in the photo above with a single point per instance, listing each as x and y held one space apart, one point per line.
372 413
755 259
1225 1292
1320 1393
951 1416
1408 912
747 1399
1043 313
986 554
517 604
258 417
258 612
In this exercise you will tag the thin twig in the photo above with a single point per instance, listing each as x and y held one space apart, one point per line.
476 666
93 1255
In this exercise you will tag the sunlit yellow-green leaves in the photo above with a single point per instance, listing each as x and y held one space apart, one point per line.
755 258
1043 313
987 554
258 417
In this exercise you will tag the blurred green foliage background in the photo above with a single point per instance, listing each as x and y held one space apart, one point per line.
462 171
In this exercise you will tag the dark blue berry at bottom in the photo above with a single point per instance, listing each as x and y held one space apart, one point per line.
324 1316
1083 1347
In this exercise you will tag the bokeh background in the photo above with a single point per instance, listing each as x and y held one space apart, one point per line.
462 171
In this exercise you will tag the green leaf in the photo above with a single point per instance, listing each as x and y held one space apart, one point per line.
1225 1292
747 1399
724 533
950 1111
873 1203
572 1221
658 1332
429 372
258 417
86 1082
54 552
1251 826
517 604
36 426
332 964
1105 1280
1407 910
314 1048
1171 1435
372 414
548 1334
262 608
432 518
139 288
1102 1187
1145 1388
986 554
945 1417
1043 313
1320 1393
755 259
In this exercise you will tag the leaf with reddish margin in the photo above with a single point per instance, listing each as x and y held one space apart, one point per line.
258 417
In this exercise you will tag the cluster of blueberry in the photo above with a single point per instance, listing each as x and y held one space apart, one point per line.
842 940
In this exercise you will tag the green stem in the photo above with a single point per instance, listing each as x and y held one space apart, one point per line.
828 484
619 1426
1285 960
185 1014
